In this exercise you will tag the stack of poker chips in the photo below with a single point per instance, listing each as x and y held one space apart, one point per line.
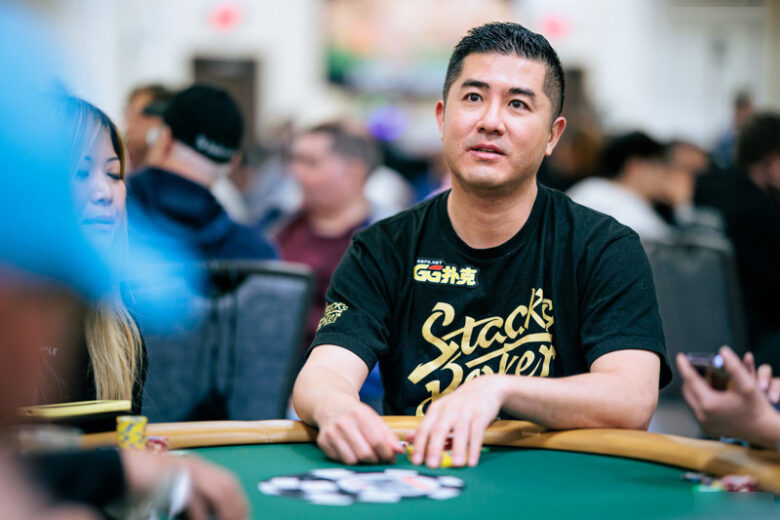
131 432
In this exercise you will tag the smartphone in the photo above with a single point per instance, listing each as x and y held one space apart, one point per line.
710 367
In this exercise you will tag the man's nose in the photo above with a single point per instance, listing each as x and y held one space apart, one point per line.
491 121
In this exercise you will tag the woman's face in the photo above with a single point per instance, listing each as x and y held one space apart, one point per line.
100 191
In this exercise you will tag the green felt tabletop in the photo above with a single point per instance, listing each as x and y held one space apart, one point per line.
516 483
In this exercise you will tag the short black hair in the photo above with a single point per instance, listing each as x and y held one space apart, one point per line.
510 38
759 138
349 142
633 145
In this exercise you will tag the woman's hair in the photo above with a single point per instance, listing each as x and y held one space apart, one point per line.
112 337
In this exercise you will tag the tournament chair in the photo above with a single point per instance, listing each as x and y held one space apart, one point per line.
238 356
701 309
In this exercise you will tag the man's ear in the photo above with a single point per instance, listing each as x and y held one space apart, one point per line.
161 147
440 115
556 131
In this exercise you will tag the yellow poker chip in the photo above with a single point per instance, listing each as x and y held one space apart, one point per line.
446 456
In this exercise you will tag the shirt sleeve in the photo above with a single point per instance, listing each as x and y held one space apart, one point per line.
619 309
358 304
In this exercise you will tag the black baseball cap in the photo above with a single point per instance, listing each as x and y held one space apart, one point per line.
207 119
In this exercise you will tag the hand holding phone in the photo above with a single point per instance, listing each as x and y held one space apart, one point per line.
710 367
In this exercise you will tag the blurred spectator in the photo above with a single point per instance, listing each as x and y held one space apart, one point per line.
143 111
748 199
196 145
724 152
576 158
745 409
331 162
685 162
271 192
388 192
634 176
110 360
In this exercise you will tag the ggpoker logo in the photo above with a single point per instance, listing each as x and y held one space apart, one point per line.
445 274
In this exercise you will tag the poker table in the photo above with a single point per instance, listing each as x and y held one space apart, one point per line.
527 471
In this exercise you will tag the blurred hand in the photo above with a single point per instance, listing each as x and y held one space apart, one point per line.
214 490
465 414
358 434
769 385
741 411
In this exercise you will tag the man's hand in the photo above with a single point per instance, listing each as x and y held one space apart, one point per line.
465 414
358 434
326 395
741 411
214 490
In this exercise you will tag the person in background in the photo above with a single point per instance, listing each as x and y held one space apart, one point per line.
746 410
111 364
724 152
634 174
331 163
197 143
142 113
685 162
748 200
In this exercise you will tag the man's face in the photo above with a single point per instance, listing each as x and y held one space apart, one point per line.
137 124
495 128
327 179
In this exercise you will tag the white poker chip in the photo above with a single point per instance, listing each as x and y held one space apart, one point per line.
400 472
342 487
331 473
383 497
330 499
444 494
318 486
267 488
286 483
450 481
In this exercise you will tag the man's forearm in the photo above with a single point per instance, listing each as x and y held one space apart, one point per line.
593 400
320 393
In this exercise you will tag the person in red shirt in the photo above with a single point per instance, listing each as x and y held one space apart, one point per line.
331 162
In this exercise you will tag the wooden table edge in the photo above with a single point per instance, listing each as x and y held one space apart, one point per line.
712 457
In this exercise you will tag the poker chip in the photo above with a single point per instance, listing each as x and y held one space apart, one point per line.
731 483
157 444
342 487
131 432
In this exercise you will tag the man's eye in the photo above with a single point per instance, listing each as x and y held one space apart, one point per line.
115 175
473 97
516 103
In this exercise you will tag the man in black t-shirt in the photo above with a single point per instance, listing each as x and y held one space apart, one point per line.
465 296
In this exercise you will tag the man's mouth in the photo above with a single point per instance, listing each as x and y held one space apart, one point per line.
487 150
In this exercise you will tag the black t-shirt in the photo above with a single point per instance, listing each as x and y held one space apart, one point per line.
570 286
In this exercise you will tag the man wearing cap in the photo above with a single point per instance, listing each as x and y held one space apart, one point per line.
196 145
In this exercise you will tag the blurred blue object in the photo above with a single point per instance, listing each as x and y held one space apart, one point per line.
39 230
39 233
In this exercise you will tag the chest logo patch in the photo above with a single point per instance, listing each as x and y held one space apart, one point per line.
332 312
439 272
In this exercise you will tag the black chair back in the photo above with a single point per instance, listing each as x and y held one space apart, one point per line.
238 356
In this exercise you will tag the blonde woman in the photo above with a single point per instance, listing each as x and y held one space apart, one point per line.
111 361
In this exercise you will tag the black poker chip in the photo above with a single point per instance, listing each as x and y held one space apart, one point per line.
343 487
